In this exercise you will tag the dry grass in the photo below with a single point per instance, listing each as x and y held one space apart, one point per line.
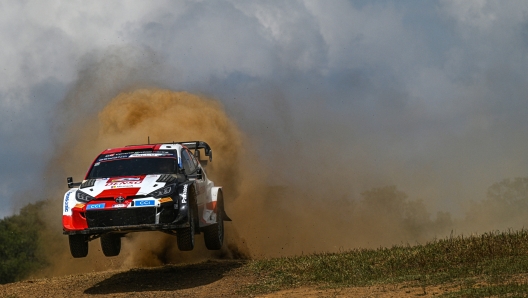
480 266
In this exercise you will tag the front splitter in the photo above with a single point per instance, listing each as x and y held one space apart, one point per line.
129 228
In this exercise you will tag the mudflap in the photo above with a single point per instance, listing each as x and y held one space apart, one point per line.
226 218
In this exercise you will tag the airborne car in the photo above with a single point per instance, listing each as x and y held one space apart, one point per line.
154 187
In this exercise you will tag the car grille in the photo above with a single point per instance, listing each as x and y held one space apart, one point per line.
121 217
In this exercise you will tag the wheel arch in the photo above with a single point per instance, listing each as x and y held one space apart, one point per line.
215 191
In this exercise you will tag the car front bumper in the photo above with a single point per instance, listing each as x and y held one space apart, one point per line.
129 228
99 221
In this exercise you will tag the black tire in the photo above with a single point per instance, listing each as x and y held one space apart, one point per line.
111 244
185 236
78 245
214 234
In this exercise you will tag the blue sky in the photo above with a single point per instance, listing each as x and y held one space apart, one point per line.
427 95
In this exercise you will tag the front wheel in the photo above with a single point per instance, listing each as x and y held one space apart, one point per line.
111 244
214 234
185 236
78 245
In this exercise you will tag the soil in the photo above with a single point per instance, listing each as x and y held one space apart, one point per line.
222 278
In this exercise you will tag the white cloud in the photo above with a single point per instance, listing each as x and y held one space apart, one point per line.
473 13
47 38
461 65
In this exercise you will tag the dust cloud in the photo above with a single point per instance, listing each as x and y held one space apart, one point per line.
312 208
162 116
268 220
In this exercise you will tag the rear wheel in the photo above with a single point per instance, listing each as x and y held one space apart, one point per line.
111 244
78 245
214 234
185 236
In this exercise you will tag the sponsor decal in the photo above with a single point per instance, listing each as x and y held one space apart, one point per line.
149 155
126 179
144 203
184 194
164 200
115 156
66 201
79 206
119 186
119 205
123 182
95 206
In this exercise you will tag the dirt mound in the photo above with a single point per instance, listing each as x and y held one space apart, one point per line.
209 279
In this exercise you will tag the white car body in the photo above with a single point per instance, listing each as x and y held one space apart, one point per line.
144 188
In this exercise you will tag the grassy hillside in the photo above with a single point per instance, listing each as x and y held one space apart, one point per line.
492 264
477 266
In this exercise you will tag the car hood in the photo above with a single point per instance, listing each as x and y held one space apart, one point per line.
124 186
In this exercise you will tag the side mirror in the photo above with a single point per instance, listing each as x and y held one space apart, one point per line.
72 184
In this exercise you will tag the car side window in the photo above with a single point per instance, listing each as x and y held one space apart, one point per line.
188 165
195 162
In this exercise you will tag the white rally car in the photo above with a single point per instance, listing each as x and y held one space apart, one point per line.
154 187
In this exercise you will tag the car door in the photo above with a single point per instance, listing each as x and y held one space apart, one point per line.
191 169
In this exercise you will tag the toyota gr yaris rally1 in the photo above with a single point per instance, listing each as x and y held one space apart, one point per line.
154 187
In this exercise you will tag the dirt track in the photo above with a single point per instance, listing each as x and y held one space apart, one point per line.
210 279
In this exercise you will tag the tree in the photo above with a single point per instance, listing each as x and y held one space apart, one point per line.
510 193
505 207
19 244
386 211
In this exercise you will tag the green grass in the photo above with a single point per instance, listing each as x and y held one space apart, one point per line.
492 259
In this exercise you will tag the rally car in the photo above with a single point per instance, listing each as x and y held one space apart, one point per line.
153 187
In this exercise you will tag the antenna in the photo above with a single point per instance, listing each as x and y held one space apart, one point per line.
148 140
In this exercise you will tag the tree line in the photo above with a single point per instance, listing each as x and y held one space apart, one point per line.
383 211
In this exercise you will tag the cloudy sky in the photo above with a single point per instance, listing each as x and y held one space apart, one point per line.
426 95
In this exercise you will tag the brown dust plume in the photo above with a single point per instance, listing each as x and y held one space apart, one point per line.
268 220
163 116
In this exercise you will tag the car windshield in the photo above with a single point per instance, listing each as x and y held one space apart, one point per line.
133 167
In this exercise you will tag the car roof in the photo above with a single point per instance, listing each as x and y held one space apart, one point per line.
148 147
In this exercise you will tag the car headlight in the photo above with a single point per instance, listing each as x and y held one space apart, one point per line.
83 197
163 192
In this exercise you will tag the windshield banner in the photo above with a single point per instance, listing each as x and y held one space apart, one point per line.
139 154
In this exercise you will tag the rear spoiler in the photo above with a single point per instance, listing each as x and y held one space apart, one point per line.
198 145
190 145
